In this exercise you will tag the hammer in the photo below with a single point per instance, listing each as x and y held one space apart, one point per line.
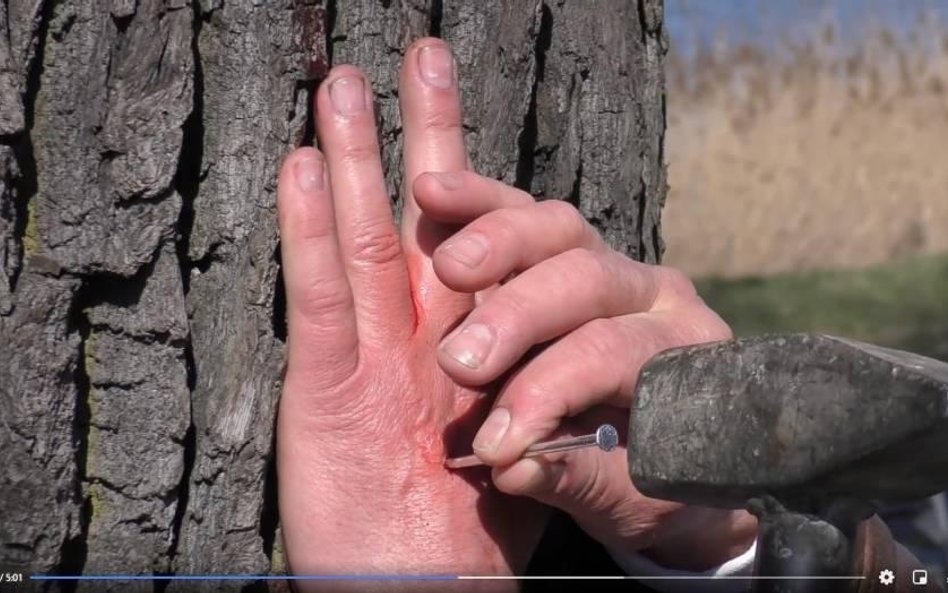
810 433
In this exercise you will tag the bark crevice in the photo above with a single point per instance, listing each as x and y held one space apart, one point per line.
435 14
331 15
278 308
269 511
188 177
658 244
654 181
187 182
75 550
25 184
575 196
527 141
644 28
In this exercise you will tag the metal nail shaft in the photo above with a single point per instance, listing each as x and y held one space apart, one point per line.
606 438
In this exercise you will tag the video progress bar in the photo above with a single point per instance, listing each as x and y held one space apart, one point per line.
253 577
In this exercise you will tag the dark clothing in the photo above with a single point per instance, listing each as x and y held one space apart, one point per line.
566 550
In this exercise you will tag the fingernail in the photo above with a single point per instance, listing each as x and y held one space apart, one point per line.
447 180
436 66
309 174
469 249
347 95
470 346
492 431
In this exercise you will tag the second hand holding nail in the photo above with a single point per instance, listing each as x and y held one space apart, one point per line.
606 438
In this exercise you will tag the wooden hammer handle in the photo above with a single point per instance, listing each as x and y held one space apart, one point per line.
876 550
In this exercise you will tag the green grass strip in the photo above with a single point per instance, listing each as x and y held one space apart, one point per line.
902 304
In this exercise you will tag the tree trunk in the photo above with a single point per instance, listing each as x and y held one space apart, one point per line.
141 311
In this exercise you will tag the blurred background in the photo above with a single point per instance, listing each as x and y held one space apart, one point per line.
808 170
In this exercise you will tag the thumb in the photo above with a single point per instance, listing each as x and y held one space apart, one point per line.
593 487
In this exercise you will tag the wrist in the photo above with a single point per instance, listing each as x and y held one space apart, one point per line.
339 541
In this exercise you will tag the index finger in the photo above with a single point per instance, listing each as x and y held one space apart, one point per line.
459 197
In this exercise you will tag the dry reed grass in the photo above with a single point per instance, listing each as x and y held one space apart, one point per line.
808 157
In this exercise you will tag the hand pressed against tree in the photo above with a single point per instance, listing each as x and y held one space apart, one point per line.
372 405
366 411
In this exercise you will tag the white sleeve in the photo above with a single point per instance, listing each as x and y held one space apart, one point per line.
636 565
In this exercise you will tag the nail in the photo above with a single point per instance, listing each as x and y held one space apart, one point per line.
470 346
469 249
492 431
606 438
447 180
309 174
347 95
436 66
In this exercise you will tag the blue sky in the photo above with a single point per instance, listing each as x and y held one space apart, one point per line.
762 22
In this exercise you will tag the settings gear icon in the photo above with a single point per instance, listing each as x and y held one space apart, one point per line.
886 577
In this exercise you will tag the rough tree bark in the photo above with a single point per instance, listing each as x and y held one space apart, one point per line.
141 313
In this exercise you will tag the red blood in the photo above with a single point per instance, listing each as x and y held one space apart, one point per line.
415 264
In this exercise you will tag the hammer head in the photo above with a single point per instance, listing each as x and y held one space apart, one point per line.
793 416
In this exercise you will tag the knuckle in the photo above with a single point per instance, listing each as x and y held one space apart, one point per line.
376 243
304 226
582 263
442 119
327 299
500 225
359 153
303 221
569 221
537 405
676 283
532 393
704 325
596 277
505 314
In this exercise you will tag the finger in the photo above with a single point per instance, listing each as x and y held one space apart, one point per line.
320 311
543 303
510 240
598 363
431 118
368 237
462 196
